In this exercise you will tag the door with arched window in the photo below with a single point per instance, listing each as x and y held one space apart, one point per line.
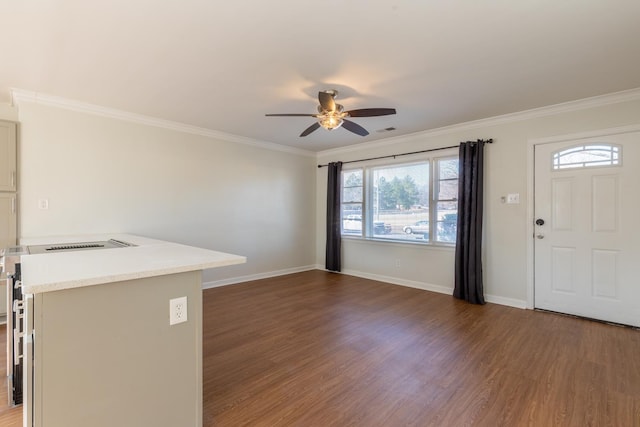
587 227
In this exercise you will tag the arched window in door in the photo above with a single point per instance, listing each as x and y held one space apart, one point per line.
587 155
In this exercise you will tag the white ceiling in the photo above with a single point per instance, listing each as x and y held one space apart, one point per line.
222 65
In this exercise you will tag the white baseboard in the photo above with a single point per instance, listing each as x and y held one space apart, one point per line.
250 277
509 302
402 282
494 299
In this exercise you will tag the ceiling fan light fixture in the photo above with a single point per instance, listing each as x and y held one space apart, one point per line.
330 120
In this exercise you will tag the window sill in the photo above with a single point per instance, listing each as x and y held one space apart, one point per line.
401 243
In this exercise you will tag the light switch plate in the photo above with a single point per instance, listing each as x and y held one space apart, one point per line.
513 198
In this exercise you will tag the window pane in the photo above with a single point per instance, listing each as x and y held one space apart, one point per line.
587 155
417 229
400 198
352 194
447 211
448 190
352 219
351 209
448 168
447 222
352 199
352 178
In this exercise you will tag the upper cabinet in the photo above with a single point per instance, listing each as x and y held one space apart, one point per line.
8 144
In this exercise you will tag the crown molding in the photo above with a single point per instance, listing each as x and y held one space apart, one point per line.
20 95
565 107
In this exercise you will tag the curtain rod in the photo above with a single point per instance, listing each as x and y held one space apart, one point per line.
486 141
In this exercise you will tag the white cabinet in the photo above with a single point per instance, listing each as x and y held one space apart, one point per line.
7 238
8 198
8 219
8 170
8 185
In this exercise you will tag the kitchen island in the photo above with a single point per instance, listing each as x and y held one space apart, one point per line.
103 351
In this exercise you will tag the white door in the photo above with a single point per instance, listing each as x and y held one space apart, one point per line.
587 231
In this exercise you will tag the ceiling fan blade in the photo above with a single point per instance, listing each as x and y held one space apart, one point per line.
310 129
371 112
291 115
326 101
354 127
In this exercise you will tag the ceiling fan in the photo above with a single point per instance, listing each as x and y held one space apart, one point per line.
332 115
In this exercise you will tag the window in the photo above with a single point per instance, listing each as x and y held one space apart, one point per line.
586 156
414 201
446 199
352 201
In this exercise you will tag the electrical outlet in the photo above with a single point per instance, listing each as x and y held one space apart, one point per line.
397 263
177 310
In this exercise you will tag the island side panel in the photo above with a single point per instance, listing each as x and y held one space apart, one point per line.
105 355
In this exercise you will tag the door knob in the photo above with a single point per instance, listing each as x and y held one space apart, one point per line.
539 236
539 221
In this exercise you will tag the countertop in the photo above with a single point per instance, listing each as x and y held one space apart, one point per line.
65 270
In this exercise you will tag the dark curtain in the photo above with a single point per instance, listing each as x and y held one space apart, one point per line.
468 274
334 241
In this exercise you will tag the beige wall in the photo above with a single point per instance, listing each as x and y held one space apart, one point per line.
505 226
103 175
8 112
107 175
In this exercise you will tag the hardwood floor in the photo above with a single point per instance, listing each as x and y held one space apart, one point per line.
323 349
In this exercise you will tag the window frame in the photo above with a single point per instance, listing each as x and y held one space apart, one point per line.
368 169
